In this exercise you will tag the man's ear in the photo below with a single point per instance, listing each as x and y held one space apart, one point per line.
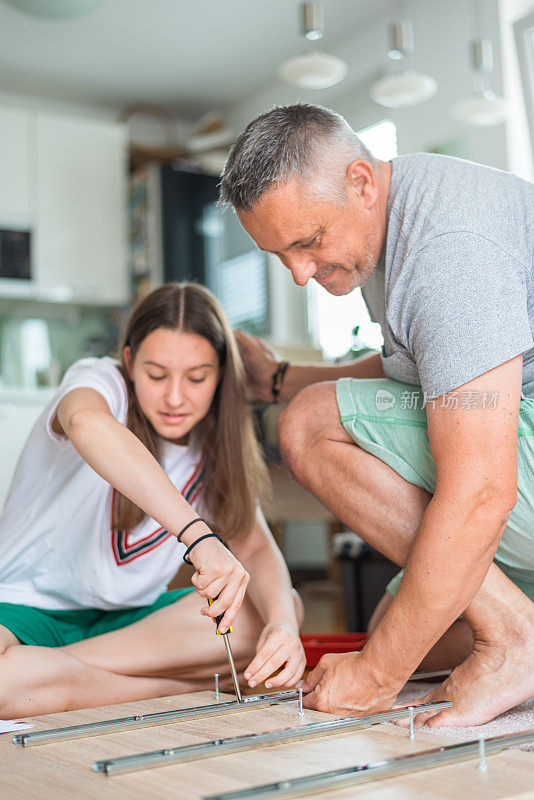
361 181
128 360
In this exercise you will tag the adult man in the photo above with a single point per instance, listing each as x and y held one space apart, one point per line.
445 250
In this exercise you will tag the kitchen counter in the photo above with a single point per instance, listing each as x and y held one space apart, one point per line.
18 396
19 408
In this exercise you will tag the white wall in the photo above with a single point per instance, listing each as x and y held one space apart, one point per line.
142 128
442 31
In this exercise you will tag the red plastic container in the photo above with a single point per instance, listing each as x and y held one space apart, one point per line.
318 644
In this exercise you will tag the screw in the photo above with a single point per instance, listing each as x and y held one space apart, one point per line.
216 676
412 734
482 753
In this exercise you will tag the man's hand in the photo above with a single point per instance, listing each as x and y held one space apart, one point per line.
345 684
260 362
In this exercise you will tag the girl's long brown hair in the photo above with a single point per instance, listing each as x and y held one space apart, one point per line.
235 475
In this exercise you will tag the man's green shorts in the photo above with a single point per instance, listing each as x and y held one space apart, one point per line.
49 628
388 419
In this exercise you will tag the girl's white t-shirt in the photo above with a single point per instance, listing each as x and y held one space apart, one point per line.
58 545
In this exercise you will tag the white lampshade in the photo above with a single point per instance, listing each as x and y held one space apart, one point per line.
313 71
403 89
56 9
481 109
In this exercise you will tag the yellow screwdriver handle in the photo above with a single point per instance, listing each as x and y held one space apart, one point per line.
218 619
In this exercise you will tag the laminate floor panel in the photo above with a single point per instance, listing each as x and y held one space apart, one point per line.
63 771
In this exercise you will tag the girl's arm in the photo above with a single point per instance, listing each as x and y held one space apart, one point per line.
271 592
118 456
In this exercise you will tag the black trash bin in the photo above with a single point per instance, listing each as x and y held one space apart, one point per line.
365 574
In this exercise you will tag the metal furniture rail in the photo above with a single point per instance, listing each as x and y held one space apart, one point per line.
234 744
168 717
150 720
375 770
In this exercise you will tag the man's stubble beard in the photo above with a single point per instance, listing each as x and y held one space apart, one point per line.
360 273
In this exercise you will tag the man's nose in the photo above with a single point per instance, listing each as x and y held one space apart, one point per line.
302 268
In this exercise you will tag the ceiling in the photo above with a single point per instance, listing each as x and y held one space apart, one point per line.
190 56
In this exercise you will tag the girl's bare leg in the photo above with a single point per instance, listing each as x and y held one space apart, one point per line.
175 642
172 651
44 680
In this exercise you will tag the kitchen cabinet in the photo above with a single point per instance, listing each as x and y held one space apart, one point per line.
80 237
17 141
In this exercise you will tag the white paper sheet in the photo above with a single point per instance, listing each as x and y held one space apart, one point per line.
9 726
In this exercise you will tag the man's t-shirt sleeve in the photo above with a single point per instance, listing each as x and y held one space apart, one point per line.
465 311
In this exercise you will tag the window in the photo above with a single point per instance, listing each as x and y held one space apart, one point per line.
524 37
331 320
381 139
236 271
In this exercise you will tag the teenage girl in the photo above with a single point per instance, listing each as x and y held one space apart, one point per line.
129 465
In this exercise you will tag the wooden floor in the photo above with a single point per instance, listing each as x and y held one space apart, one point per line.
63 771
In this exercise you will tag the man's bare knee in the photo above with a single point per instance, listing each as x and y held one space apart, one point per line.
304 422
292 435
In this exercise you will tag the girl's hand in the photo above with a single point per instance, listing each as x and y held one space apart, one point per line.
278 644
219 574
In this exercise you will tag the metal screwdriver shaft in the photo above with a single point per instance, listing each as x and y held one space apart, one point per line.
228 653
232 667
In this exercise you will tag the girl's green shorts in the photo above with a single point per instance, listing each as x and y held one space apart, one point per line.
388 419
50 628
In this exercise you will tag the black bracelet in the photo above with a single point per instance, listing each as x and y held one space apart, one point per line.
278 379
200 538
198 519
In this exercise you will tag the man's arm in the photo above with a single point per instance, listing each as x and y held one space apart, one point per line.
475 454
261 363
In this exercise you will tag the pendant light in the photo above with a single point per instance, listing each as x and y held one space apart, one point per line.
482 108
313 69
403 87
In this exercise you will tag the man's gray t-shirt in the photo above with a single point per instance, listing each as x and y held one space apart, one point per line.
453 291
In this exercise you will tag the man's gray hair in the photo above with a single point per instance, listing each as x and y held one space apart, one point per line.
305 141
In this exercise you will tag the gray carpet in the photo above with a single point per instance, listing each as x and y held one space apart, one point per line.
520 718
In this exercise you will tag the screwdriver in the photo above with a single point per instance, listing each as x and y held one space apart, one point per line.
228 652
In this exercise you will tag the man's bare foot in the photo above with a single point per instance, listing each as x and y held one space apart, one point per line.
497 676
